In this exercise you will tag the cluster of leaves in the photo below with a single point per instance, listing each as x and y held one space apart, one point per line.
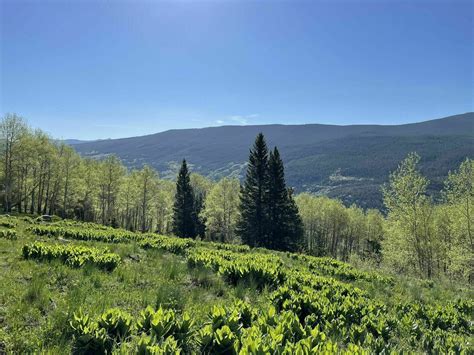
27 219
237 329
110 235
161 331
80 224
340 310
99 336
83 233
346 313
340 270
439 329
171 244
88 232
8 222
75 256
262 269
299 321
241 329
8 233
238 248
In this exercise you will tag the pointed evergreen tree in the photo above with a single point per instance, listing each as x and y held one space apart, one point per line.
183 210
253 222
276 201
285 225
295 229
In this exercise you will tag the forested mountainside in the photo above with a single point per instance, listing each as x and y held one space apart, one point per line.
347 162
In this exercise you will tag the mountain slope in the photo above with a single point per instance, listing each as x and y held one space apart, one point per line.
349 162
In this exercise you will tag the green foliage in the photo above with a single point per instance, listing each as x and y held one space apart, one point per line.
253 223
340 270
285 228
74 256
331 229
409 245
300 304
268 214
200 187
88 337
303 322
240 248
84 232
234 267
455 222
8 233
221 210
116 323
184 216
7 222
173 245
158 332
423 238
147 240
168 347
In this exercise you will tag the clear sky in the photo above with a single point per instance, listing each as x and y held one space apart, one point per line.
99 69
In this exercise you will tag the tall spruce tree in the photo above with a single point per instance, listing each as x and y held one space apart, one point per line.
276 201
285 228
252 226
295 228
184 207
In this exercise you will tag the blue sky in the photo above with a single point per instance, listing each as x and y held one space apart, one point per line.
99 69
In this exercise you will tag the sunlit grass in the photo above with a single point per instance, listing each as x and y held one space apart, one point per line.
38 298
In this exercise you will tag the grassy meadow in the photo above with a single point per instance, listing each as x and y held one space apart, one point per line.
169 295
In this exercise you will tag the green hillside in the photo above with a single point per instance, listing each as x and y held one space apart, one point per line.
348 162
82 287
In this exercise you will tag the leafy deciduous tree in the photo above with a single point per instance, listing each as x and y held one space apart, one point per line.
221 210
410 218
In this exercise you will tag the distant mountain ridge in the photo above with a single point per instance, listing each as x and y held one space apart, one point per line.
349 162
74 141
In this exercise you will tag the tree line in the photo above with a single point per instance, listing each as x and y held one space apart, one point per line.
44 176
414 234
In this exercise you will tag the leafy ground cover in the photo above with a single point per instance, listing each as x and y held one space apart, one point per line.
168 295
75 256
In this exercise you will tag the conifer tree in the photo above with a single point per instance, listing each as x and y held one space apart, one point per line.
183 210
285 228
253 222
200 186
295 229
276 201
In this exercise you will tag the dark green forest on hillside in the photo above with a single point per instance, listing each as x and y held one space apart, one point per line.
345 162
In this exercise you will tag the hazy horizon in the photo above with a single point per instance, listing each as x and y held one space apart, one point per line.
264 124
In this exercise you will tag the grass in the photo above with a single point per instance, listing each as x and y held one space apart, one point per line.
37 299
